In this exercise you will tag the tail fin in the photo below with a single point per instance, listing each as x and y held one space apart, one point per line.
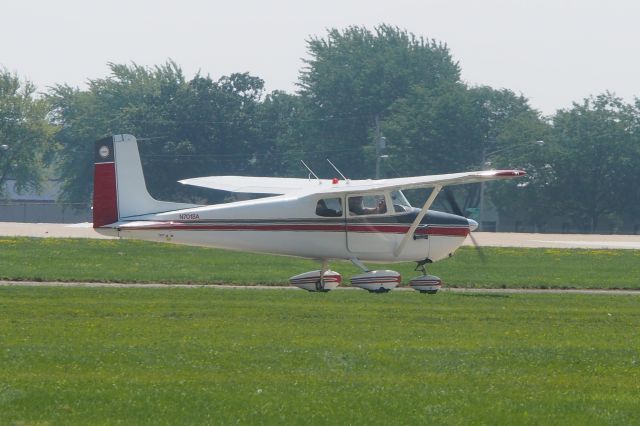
119 189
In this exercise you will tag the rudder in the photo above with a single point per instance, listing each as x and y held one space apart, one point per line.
105 191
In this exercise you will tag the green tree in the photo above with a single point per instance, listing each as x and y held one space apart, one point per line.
529 199
282 122
596 161
80 122
353 76
193 127
26 136
437 130
452 127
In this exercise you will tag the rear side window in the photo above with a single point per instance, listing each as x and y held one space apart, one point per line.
329 207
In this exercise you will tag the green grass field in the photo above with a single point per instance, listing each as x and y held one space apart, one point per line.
135 261
220 356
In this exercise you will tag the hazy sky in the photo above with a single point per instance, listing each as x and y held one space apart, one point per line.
552 51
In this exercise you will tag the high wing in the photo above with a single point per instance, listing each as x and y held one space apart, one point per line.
296 186
258 185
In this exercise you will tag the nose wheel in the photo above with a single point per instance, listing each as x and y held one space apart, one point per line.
425 283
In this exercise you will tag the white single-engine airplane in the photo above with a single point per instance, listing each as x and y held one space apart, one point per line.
356 220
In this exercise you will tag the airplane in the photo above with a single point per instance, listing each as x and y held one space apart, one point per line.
322 219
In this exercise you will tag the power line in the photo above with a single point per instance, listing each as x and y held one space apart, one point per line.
250 156
289 120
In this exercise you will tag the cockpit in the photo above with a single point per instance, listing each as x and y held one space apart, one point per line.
365 204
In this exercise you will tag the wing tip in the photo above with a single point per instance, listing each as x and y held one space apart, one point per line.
510 173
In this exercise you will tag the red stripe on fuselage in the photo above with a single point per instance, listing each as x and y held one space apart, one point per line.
401 229
316 227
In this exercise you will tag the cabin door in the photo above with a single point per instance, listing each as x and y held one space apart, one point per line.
370 225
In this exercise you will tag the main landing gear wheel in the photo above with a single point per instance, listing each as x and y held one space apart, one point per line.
311 281
382 281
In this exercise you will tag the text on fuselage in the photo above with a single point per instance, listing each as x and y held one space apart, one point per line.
188 216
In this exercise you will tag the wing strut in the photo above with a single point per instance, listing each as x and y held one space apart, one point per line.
416 221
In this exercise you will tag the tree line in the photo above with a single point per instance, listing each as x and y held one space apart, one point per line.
356 84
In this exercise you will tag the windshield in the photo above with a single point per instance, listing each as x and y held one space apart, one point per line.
399 199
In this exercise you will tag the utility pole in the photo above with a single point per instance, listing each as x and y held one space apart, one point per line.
381 145
482 167
4 167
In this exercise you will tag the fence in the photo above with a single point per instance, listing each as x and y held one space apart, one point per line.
44 212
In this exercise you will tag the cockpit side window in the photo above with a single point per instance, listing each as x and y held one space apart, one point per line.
329 207
367 204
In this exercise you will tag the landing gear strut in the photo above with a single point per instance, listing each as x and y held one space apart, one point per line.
320 284
420 266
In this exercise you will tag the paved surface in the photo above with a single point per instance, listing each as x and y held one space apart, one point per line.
588 241
264 287
485 239
44 230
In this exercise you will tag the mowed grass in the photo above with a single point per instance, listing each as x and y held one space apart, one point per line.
227 356
48 259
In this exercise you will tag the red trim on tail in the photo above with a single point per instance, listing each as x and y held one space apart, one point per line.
105 201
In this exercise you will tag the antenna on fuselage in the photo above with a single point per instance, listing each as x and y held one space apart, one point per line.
336 169
310 171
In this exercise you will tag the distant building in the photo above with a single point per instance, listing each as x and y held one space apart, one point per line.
40 208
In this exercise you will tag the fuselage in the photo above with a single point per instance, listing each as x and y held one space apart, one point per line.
313 226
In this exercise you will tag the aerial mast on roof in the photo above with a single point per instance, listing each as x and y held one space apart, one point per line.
310 171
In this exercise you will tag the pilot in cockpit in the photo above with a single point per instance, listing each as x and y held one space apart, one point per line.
356 206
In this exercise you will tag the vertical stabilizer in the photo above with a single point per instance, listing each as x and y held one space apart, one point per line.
120 191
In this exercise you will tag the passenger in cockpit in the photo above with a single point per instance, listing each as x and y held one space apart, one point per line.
323 210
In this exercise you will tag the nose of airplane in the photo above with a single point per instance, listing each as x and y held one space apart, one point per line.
473 225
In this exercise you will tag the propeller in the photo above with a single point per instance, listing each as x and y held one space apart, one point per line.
458 211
